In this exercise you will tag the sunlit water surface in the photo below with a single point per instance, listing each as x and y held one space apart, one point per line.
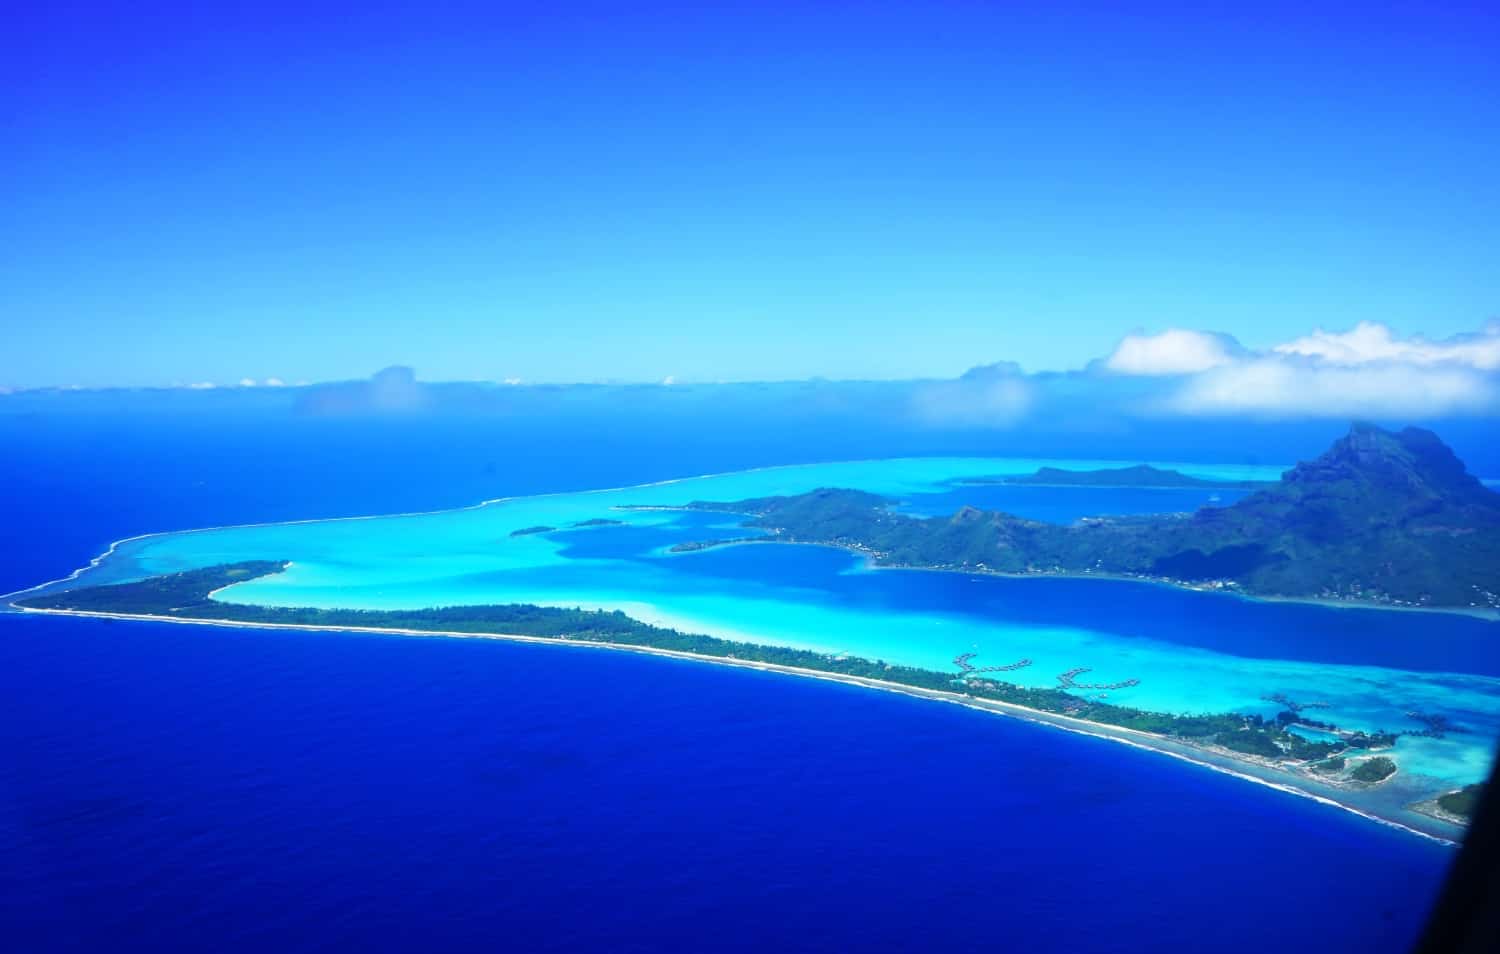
1191 651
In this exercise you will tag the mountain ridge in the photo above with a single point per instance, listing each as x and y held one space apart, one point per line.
1390 517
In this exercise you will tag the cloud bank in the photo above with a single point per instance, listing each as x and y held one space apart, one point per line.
1174 351
390 390
1279 387
1367 371
1148 383
1370 342
994 395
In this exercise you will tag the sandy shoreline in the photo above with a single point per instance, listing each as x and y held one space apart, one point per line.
1432 809
1183 751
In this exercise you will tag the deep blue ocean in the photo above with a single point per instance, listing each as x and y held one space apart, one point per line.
168 788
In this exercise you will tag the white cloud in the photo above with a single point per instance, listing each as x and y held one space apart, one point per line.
274 383
669 380
995 395
1295 387
1369 342
247 382
1365 371
202 386
1174 351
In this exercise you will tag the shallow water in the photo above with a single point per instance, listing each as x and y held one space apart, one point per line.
1193 652
174 788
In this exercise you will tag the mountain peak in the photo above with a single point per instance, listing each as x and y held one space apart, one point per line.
1413 461
1406 481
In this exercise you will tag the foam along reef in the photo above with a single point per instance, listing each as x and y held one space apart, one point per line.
1343 759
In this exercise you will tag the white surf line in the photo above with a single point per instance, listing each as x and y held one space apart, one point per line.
511 499
993 707
492 501
83 569
1223 769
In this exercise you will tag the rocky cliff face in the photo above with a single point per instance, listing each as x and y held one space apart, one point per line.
1380 514
1377 477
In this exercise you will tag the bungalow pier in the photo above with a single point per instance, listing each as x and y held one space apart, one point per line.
969 669
1069 680
1438 726
1293 705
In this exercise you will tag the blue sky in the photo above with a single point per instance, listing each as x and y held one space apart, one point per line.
559 192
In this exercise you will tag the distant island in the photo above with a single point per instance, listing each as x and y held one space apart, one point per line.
1455 807
1374 770
1141 475
1462 803
1381 517
580 525
528 531
692 546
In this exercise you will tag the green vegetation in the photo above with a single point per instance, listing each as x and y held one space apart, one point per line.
1384 517
1371 740
1141 475
692 546
1462 802
187 595
1331 766
528 531
598 522
177 594
1251 742
1377 769
1303 750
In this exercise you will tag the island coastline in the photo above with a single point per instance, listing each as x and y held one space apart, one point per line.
1260 752
1475 612
1202 755
871 563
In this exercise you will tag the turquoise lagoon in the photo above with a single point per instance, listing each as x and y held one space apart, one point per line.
1192 651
